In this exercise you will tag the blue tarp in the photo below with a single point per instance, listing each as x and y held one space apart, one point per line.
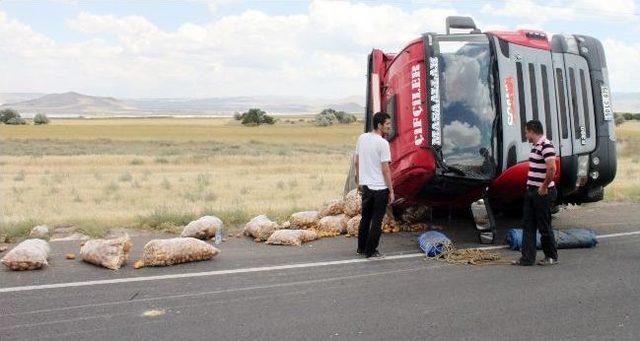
432 243
565 238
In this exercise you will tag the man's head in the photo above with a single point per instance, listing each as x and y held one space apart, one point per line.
382 123
533 131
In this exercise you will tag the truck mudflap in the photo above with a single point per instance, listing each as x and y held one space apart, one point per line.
602 161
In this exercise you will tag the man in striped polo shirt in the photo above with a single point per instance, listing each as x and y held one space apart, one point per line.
541 194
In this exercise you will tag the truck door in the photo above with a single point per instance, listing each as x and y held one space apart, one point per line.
527 88
580 103
562 104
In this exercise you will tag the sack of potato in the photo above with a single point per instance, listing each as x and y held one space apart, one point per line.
389 224
332 225
110 253
352 203
31 254
331 207
305 220
202 228
161 252
260 228
292 237
40 231
353 225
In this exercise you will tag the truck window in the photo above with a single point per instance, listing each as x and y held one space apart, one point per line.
574 102
534 91
563 103
547 105
585 104
391 110
521 96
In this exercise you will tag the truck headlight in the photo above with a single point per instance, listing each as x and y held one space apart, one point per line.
595 175
583 170
595 160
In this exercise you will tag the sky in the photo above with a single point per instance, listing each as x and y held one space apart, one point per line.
220 48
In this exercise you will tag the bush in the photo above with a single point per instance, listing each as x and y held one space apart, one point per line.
40 118
618 118
237 116
7 114
256 117
329 116
627 116
323 121
16 121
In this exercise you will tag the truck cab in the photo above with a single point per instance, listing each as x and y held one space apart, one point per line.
459 103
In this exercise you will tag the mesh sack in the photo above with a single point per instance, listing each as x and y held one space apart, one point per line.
292 237
333 225
161 252
260 228
353 225
202 228
305 220
352 203
331 207
31 254
40 231
109 253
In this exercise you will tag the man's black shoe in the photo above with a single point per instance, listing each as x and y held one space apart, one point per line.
375 254
359 252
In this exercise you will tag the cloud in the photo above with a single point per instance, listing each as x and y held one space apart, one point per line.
460 137
319 52
543 11
622 59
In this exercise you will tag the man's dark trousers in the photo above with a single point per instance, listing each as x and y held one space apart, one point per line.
537 216
374 207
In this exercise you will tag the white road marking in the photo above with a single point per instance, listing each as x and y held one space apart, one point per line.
614 235
249 270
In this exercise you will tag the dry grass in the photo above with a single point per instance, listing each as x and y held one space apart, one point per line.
626 185
162 173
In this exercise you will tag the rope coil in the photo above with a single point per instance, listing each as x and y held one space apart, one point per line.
452 255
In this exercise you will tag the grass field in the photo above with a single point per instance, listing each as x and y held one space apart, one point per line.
162 173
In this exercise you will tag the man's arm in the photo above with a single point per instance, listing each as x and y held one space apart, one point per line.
356 165
551 172
386 172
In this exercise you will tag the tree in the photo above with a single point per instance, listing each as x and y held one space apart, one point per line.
256 116
329 116
16 121
7 114
40 118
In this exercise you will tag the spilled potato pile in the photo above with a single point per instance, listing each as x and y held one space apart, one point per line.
335 217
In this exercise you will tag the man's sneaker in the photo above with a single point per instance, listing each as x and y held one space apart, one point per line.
375 254
548 261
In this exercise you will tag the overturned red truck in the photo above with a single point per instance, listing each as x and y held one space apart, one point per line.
459 103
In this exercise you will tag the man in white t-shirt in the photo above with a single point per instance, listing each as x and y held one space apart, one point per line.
373 177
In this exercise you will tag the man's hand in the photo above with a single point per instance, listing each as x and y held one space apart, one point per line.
543 190
392 197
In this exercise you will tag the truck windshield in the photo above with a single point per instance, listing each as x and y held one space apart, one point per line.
466 104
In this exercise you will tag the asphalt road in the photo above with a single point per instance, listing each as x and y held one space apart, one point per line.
253 291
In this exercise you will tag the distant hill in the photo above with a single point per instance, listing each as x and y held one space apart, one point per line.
75 104
72 103
18 97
